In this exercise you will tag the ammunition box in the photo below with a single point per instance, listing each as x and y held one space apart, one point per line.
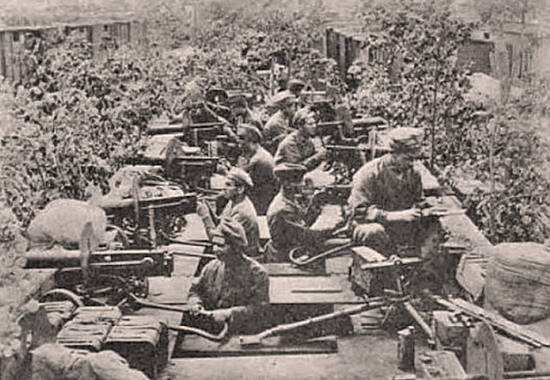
142 341
89 328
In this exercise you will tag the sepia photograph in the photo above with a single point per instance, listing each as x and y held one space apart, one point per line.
274 189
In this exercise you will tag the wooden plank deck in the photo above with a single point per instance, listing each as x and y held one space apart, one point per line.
472 266
311 290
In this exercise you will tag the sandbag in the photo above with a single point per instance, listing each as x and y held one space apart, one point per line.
62 222
518 282
56 362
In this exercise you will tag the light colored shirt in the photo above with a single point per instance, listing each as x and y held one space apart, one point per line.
274 131
379 186
244 213
298 149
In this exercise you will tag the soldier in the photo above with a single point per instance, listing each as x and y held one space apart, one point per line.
233 287
239 207
258 163
240 108
279 125
386 193
298 147
289 221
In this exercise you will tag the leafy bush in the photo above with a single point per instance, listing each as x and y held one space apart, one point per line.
261 34
80 119
409 77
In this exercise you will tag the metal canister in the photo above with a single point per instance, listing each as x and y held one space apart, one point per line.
405 349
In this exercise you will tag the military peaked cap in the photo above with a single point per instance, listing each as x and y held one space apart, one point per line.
232 231
240 177
406 139
290 172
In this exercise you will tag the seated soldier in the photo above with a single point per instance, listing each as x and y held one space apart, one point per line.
298 147
258 163
239 207
289 221
234 287
279 125
385 197
196 109
240 109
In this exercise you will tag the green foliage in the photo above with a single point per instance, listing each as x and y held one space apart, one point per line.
409 78
15 282
79 121
409 73
260 35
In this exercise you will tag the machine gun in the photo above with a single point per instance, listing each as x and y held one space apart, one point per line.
186 127
349 148
336 194
105 277
144 207
100 277
359 127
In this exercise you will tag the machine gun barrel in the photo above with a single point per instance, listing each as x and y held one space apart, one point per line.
51 258
178 128
65 258
353 148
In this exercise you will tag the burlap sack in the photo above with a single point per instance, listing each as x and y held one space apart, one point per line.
518 282
62 222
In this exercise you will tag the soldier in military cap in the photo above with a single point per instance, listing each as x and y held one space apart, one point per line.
279 125
239 207
240 109
385 194
289 220
233 287
259 164
298 147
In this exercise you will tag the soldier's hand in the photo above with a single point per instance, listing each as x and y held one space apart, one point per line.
197 309
223 166
409 215
322 153
221 315
361 233
202 209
